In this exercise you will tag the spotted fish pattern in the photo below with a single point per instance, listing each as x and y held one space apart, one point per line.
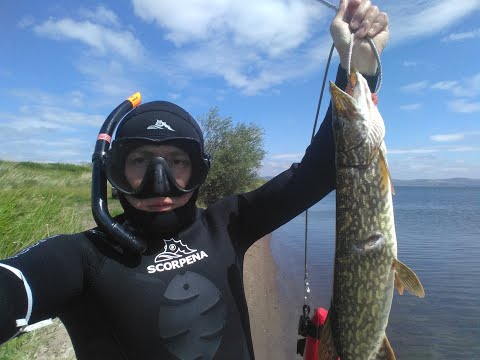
366 265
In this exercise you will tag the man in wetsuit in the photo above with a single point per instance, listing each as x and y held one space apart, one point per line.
182 297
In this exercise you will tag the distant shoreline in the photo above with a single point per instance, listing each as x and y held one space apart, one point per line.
453 182
450 182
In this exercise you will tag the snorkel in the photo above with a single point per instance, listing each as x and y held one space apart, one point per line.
104 220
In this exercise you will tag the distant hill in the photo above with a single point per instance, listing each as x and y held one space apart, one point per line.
453 182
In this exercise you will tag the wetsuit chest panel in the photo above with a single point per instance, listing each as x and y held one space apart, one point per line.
173 301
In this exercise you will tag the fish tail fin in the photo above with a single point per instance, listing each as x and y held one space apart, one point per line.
405 278
385 352
326 347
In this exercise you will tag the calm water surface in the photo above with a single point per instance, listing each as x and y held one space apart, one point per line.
438 234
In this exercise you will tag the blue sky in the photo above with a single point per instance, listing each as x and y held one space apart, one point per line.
65 65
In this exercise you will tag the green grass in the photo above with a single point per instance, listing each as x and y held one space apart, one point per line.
37 201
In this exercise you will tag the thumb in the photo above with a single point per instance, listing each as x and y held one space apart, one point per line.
342 8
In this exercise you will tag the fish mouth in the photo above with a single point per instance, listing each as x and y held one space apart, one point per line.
344 105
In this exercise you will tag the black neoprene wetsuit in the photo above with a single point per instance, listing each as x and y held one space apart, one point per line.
184 297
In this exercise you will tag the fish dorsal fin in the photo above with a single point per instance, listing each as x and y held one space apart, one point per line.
326 347
385 169
405 278
385 352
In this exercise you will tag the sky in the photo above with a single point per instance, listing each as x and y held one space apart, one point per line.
65 65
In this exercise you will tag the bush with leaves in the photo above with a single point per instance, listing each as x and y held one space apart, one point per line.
236 151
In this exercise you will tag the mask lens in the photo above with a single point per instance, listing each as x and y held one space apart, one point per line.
148 170
136 164
178 164
145 165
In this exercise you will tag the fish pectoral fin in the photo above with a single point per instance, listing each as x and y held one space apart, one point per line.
405 278
385 352
398 284
326 347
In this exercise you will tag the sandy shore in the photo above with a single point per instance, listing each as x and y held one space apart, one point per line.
269 331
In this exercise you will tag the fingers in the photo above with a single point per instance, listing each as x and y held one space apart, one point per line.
342 7
367 22
359 15
351 7
380 24
366 19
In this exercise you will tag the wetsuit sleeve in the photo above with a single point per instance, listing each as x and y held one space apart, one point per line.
55 271
295 190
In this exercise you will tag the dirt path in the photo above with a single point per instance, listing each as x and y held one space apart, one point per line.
55 343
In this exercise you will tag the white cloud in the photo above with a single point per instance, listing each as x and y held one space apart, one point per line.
409 63
467 35
445 85
464 106
74 98
71 150
101 39
101 15
447 137
258 24
252 45
411 107
412 151
465 149
32 117
173 96
249 38
274 164
468 87
48 133
48 127
439 138
290 157
431 166
249 70
471 86
419 18
110 79
415 87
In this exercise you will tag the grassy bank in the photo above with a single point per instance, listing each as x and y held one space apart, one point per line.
36 201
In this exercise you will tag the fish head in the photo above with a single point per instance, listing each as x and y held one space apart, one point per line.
357 124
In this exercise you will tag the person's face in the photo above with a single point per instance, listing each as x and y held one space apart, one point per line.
179 164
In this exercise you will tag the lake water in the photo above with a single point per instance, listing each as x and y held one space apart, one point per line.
438 234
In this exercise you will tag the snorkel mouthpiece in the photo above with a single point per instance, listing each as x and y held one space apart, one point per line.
126 240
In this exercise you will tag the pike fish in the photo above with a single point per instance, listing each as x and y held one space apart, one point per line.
366 267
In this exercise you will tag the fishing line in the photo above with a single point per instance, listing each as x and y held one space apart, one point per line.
306 307
327 4
305 279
